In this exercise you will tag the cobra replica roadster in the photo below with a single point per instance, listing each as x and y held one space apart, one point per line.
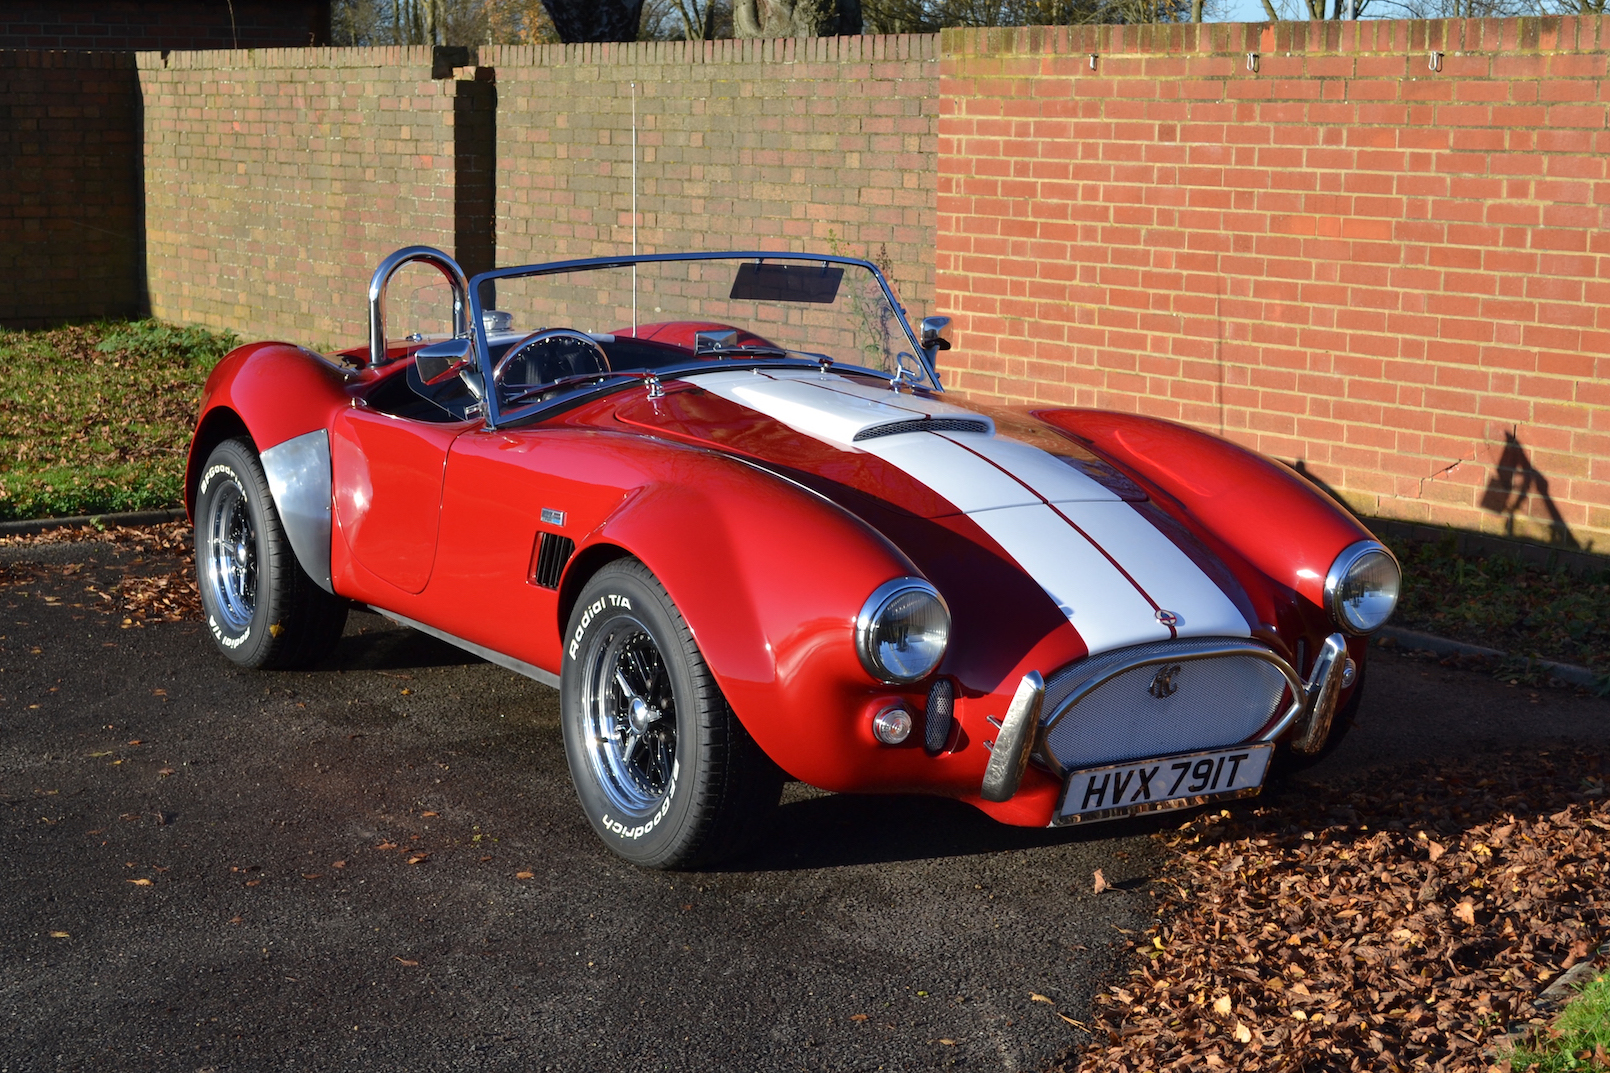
723 504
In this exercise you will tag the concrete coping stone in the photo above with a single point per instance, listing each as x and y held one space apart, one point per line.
30 526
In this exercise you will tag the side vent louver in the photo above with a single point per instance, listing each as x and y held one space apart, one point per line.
549 558
926 424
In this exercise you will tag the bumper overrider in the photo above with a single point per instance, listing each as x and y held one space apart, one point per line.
1163 726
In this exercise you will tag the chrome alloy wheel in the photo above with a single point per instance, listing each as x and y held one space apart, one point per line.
230 569
630 719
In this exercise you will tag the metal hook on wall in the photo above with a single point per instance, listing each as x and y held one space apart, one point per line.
1092 61
1434 60
1252 61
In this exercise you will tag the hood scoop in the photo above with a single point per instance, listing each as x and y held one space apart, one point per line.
927 424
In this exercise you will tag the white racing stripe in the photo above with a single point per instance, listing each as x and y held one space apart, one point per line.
1004 486
1103 606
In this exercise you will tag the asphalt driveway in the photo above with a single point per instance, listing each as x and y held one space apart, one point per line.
381 865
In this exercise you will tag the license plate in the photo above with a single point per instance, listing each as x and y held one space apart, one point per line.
1162 782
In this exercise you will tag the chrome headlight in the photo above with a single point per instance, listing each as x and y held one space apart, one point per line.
1362 587
902 630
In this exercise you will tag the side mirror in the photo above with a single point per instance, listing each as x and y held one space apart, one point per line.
441 361
931 327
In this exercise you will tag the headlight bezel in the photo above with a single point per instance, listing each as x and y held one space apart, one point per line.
870 616
1342 569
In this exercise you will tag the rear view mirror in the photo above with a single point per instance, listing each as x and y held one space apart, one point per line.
443 360
931 327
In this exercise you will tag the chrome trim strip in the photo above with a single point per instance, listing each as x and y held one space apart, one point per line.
1010 755
1323 688
1299 702
506 662
298 473
377 294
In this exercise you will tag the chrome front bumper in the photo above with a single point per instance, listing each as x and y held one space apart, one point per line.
1023 731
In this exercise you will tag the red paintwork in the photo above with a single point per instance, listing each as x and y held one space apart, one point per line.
683 333
767 541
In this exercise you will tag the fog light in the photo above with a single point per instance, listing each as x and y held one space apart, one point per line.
1349 673
892 726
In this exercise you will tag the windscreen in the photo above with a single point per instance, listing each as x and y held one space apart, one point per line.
665 313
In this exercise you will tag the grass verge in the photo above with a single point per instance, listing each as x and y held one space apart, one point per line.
1578 1041
1499 602
97 417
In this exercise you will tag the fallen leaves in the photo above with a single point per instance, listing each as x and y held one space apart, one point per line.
139 882
1415 926
1101 883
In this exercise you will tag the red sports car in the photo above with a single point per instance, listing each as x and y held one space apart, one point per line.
723 504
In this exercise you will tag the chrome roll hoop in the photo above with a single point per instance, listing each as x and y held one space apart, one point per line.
377 294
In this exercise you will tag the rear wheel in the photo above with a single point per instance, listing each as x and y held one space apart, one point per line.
261 607
667 775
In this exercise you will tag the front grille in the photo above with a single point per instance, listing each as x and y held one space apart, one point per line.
1160 706
923 424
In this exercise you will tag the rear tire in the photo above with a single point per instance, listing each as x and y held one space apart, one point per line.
666 773
263 610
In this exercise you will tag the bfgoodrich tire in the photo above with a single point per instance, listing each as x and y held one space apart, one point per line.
666 774
262 609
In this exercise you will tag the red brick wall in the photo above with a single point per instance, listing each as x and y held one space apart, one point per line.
70 207
163 24
276 179
823 144
1396 276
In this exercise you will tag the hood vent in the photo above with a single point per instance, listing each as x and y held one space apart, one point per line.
925 424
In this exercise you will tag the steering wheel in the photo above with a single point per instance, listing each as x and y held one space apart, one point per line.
547 356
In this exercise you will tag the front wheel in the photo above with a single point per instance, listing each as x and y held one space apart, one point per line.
666 774
261 607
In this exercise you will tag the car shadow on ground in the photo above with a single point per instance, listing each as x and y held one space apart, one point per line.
374 643
814 830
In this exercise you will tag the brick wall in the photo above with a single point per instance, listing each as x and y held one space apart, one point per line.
277 179
1395 276
69 187
163 24
824 144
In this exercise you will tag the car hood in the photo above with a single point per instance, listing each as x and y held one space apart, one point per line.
926 472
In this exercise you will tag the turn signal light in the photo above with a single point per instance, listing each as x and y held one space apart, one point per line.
892 726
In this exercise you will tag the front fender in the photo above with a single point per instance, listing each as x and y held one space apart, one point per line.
769 578
1278 522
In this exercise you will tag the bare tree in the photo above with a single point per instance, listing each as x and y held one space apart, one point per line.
686 20
796 18
926 16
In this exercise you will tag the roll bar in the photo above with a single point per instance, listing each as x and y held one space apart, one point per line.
382 277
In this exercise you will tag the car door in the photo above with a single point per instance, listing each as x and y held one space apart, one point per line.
387 474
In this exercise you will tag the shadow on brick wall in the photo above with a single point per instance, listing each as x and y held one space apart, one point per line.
1514 481
72 207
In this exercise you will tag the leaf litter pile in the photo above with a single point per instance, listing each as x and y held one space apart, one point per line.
1405 921
157 582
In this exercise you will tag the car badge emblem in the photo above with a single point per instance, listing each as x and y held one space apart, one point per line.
553 517
1163 684
1167 618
